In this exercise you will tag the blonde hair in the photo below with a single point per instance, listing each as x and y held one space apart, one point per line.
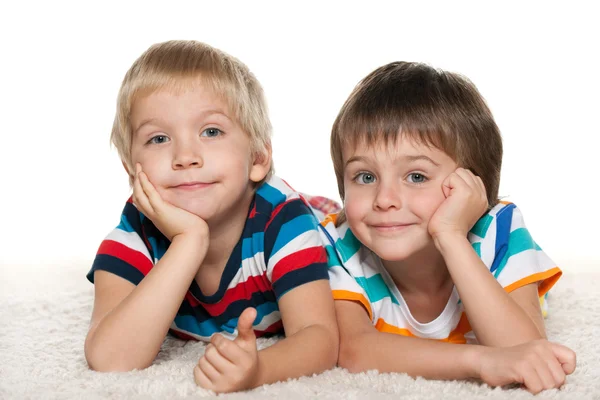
404 100
178 65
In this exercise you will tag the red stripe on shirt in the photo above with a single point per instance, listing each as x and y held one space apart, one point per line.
127 254
276 211
191 299
297 260
242 291
253 212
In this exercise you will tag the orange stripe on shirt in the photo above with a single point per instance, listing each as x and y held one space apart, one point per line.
548 279
330 218
457 336
352 296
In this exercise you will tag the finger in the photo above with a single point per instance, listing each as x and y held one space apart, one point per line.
218 360
481 185
209 370
555 369
202 380
565 356
531 379
140 197
546 377
149 190
244 326
450 184
468 177
229 349
475 184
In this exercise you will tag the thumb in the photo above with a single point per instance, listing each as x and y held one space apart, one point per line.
244 325
447 185
566 357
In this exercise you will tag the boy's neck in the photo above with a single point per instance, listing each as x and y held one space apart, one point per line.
424 272
225 234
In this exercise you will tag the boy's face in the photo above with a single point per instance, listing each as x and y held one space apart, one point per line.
391 193
194 152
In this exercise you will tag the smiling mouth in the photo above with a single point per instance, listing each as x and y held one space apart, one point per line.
391 227
192 186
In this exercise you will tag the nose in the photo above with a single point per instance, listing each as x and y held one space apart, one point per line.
187 156
388 196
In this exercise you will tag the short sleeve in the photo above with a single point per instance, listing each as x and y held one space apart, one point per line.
341 253
293 250
123 252
518 260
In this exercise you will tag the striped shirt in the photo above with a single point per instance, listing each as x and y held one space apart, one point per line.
280 249
501 240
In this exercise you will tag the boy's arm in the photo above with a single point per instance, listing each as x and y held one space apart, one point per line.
311 342
363 348
497 318
538 365
129 323
310 345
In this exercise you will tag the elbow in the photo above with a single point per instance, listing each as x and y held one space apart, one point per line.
102 359
334 351
351 357
331 339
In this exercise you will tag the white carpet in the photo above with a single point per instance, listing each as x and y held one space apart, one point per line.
44 315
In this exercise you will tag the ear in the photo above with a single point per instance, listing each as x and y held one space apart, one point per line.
261 164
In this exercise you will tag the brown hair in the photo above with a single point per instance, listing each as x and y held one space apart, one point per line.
438 108
179 65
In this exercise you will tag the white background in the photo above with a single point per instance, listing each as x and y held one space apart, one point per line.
61 64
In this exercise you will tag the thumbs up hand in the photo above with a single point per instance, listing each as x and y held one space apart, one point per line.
229 366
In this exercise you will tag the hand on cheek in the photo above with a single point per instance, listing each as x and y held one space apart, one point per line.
170 220
465 202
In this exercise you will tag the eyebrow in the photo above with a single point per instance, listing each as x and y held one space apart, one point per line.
420 157
406 158
203 114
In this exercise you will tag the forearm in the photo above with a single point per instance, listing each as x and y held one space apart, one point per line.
496 319
130 336
428 358
311 350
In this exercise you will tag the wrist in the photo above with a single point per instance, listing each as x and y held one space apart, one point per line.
448 241
259 378
196 245
471 361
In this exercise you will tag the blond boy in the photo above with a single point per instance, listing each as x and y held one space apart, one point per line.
211 246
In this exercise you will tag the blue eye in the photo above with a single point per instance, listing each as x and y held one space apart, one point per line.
158 139
415 177
211 132
365 178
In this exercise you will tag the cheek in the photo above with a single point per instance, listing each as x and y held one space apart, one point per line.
429 203
356 203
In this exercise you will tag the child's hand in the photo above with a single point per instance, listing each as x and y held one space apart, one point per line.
538 365
229 366
170 220
465 202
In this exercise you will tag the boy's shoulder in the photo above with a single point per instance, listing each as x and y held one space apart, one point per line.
500 218
275 192
341 238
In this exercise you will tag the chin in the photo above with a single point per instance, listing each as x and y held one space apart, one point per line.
398 250
194 207
392 254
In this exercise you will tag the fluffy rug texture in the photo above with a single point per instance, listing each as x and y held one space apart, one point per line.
45 311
